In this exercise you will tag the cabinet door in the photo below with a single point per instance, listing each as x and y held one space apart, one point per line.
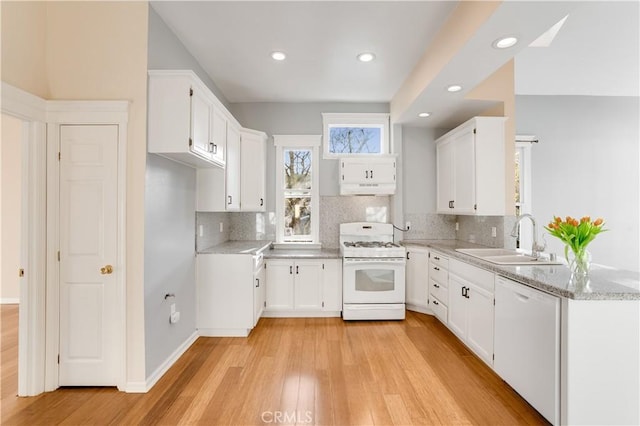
444 177
259 293
252 163
233 169
201 109
279 285
218 136
457 308
332 285
355 170
465 172
417 277
382 170
480 322
308 285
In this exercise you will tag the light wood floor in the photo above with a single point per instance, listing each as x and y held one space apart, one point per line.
304 371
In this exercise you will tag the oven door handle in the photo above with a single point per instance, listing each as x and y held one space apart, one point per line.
378 263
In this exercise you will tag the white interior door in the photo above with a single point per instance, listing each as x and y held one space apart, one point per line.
89 344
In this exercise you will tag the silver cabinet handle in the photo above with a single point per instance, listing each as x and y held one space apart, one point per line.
230 199
257 282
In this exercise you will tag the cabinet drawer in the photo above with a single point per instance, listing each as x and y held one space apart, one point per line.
438 290
439 309
480 277
439 260
438 273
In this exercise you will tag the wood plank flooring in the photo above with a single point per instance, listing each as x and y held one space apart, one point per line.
292 371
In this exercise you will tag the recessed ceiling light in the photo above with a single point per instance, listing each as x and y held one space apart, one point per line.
278 56
424 114
454 88
366 57
505 42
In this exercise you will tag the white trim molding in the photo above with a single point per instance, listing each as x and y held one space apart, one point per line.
83 112
165 366
39 301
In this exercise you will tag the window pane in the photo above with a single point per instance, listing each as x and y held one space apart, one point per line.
297 216
517 177
297 169
355 140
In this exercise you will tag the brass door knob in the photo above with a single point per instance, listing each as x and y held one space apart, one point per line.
106 270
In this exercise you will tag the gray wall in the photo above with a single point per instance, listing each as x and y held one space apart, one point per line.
166 52
169 221
169 258
587 164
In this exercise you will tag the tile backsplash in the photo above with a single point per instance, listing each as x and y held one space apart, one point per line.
430 226
335 210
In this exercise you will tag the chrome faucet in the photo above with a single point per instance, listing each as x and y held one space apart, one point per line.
535 247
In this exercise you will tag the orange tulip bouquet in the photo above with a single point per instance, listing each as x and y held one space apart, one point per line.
576 235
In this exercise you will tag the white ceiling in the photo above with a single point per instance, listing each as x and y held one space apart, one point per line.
595 53
233 42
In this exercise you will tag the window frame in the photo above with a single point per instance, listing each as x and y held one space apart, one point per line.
356 120
312 143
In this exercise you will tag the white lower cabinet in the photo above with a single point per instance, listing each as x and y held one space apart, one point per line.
227 294
471 309
439 285
310 287
417 279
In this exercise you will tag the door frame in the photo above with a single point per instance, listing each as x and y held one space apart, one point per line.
82 113
39 332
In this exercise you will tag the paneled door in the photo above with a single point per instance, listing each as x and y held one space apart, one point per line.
89 341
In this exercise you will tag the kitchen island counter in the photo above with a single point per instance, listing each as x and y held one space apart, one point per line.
605 283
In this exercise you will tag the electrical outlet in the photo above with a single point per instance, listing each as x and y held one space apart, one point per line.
472 238
221 226
457 226
407 225
494 232
200 230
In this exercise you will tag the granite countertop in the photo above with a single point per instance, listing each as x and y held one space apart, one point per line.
238 247
605 283
302 254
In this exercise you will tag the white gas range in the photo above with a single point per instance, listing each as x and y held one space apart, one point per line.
373 272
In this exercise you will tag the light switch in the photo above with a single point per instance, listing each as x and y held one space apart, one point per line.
493 231
221 226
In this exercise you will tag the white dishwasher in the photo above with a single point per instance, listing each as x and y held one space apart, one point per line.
527 344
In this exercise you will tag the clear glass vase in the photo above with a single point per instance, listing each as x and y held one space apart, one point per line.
579 263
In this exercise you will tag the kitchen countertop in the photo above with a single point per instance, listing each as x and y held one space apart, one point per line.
264 246
238 247
302 254
605 283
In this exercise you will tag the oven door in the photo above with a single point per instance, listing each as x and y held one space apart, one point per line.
373 280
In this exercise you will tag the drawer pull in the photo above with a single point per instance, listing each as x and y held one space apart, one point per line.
436 268
436 257
435 302
436 286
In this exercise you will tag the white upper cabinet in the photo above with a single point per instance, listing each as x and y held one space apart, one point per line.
470 162
186 122
370 175
253 153
241 186
233 169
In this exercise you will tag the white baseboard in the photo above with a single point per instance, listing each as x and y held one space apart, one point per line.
165 366
420 309
300 314
9 301
223 332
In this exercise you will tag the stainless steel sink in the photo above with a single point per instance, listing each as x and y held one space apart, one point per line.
507 257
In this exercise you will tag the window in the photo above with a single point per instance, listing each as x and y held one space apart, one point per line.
523 188
349 134
297 189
